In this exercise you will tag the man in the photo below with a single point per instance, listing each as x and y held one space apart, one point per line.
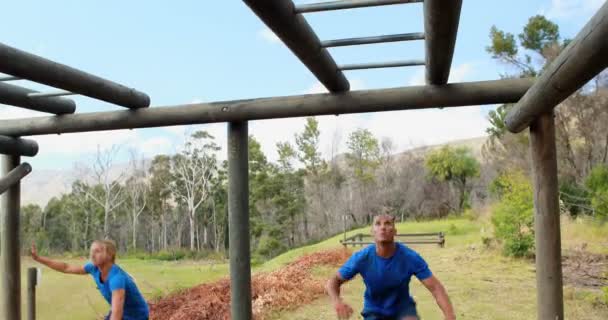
386 268
114 284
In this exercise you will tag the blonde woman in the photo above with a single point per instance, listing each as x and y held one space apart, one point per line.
114 284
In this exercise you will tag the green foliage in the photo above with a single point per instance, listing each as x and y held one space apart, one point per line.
497 118
364 154
176 255
503 44
269 247
539 34
513 216
308 145
575 198
597 184
454 165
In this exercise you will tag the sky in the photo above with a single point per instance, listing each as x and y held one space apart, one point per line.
182 52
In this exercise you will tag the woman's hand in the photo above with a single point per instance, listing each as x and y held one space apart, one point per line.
34 253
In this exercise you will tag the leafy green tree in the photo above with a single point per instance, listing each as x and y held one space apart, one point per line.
364 155
513 216
456 166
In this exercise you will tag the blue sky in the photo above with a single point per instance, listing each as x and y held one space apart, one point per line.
187 51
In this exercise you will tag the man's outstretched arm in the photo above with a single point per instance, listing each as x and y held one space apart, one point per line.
441 296
343 310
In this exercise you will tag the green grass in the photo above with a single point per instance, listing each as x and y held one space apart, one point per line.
481 283
59 295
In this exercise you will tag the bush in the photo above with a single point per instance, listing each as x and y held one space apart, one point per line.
513 216
597 183
269 247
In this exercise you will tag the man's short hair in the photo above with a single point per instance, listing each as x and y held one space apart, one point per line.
385 215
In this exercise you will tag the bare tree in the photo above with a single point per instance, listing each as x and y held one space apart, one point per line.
110 195
193 169
136 190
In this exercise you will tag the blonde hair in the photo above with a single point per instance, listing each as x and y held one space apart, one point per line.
109 246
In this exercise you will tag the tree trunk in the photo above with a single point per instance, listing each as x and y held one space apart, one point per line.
192 226
134 232
106 223
164 231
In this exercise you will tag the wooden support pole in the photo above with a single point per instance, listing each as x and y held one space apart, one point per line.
10 259
238 219
32 277
550 302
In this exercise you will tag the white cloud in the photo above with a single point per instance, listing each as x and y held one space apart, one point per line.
269 36
560 9
407 129
155 146
9 112
83 143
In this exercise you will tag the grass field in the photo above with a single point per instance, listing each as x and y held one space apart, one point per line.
482 284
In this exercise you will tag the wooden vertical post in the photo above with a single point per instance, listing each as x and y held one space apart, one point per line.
10 261
32 282
546 219
238 221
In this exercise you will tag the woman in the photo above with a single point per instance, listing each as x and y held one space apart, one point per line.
115 285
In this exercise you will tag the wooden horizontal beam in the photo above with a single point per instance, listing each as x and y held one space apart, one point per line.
405 98
299 37
584 58
32 67
14 176
20 97
18 146
441 19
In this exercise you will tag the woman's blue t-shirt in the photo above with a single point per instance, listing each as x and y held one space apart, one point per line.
135 307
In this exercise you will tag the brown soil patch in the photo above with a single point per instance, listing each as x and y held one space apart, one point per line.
584 269
286 288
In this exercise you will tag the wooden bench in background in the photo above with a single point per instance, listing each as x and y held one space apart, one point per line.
406 238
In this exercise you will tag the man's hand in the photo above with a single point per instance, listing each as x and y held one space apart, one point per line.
441 296
343 310
34 253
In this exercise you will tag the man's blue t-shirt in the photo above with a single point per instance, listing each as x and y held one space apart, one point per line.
135 307
386 279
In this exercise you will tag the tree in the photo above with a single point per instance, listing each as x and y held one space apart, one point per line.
454 165
597 184
192 171
111 195
160 192
289 197
364 155
259 175
513 216
310 156
136 188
